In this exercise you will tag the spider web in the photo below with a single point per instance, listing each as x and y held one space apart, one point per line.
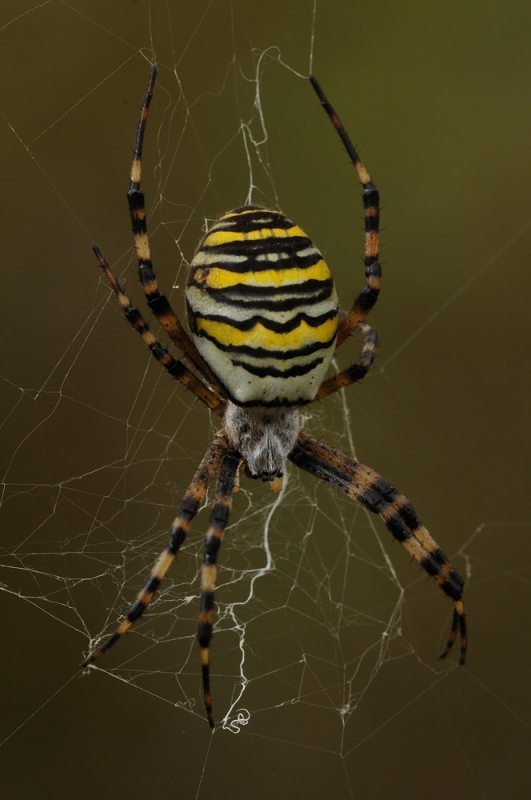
325 645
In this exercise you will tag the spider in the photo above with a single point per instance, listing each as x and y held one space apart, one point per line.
264 323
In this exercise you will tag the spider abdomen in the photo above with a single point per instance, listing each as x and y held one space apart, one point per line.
262 309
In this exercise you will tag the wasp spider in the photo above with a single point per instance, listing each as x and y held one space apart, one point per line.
264 323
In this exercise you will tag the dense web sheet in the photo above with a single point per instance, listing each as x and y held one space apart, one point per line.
326 637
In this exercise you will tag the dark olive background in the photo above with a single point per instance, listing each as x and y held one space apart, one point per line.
438 97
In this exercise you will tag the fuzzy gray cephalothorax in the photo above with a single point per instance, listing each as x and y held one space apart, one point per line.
263 440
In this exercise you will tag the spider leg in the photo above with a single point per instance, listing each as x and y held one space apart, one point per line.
158 302
176 368
373 273
356 371
191 504
218 520
371 491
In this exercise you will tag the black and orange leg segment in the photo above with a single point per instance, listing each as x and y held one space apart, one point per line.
218 521
191 504
371 204
356 371
158 302
371 491
175 367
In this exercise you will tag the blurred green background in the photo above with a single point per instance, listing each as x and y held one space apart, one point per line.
98 446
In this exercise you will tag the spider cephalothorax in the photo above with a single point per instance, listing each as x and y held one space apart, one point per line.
264 441
263 315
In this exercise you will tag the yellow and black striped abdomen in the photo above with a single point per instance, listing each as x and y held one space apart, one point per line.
262 309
